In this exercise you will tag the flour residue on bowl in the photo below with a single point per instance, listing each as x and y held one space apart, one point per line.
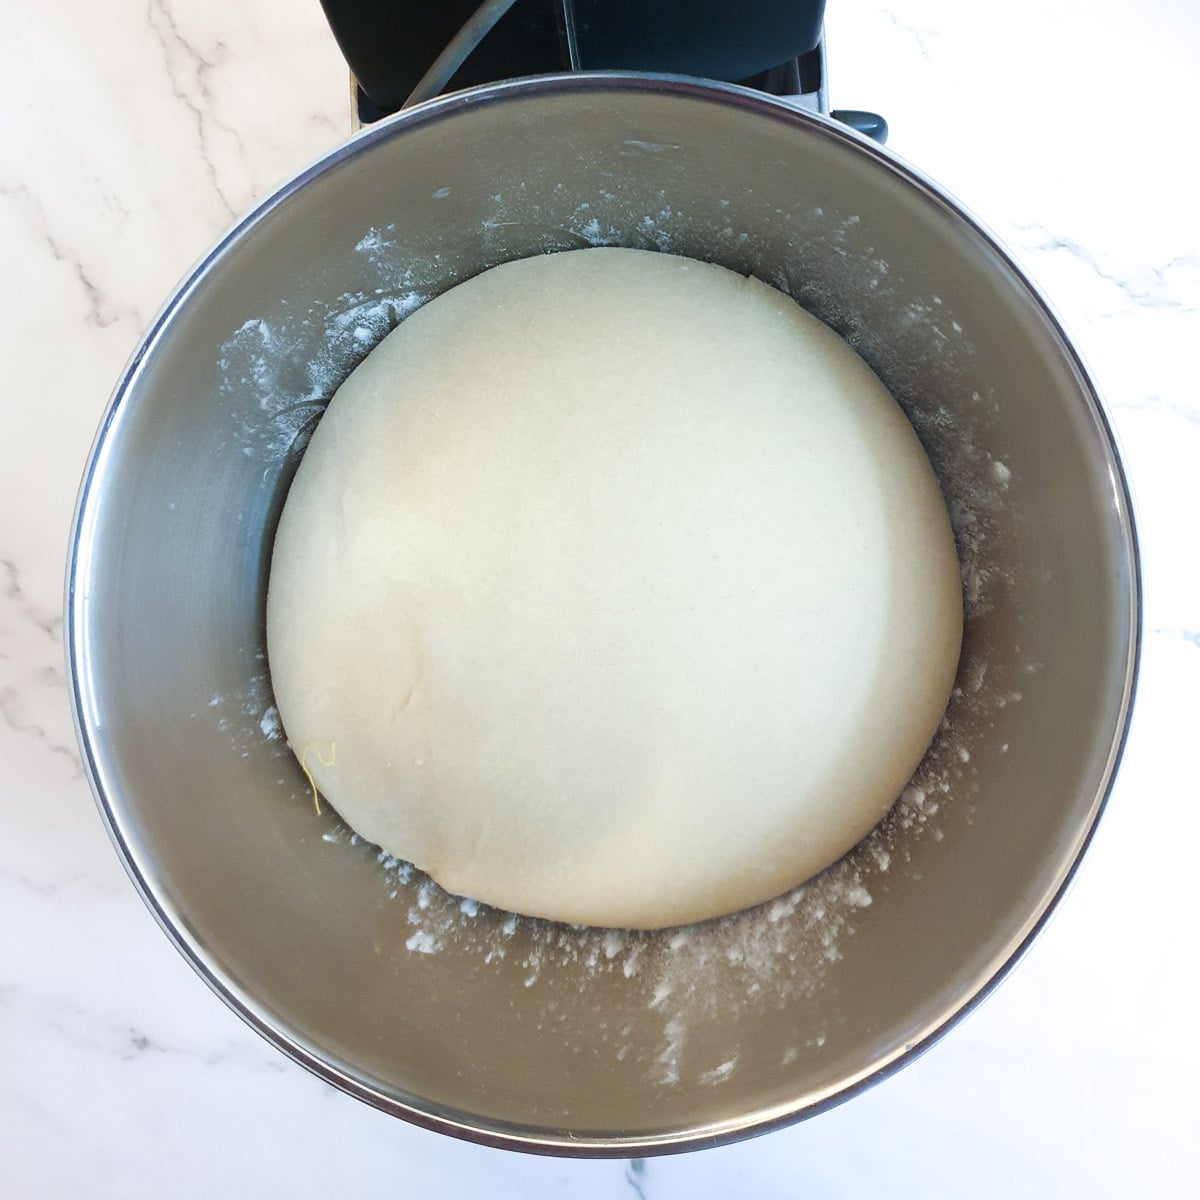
290 363
727 968
738 965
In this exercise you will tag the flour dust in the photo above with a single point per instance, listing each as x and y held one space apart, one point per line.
766 957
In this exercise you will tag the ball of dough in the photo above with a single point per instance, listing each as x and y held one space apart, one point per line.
613 588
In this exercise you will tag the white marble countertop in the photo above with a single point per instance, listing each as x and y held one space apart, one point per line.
133 133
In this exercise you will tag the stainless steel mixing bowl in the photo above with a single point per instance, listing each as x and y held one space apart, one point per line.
515 1032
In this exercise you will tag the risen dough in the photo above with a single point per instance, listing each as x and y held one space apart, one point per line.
618 590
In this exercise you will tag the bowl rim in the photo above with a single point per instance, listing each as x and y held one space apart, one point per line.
473 1127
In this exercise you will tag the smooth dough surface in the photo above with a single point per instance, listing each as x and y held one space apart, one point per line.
617 590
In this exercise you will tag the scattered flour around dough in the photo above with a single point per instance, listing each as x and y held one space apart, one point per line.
768 955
